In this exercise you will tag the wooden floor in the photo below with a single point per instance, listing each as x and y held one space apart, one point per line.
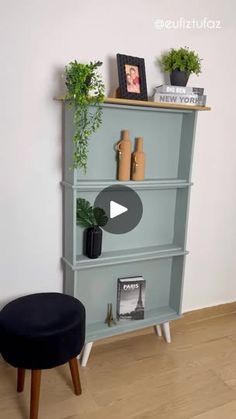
139 376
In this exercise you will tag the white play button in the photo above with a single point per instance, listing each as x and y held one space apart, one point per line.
116 209
123 207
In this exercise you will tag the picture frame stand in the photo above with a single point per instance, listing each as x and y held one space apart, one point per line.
116 93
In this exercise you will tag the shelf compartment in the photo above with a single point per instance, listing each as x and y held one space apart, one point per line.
157 226
148 184
100 330
168 139
127 256
163 292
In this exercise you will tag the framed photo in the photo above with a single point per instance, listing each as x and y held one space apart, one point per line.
132 77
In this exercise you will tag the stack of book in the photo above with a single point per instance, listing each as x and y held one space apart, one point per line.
179 95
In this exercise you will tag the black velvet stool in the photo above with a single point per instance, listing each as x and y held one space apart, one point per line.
41 331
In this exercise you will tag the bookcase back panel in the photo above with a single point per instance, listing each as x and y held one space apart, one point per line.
99 286
155 228
162 136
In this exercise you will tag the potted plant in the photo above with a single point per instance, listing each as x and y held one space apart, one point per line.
85 89
91 218
180 63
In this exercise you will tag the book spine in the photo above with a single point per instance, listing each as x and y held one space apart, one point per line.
191 100
180 90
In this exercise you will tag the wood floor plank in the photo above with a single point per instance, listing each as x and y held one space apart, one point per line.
139 376
176 395
226 371
227 411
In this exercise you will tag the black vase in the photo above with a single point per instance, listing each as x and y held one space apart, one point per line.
93 247
179 78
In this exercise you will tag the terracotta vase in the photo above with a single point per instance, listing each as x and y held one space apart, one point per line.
124 156
138 161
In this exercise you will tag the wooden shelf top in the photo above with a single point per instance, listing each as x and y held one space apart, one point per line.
149 104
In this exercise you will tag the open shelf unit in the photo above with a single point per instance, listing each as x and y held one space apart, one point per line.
156 248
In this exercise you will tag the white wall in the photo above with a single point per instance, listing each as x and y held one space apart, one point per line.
38 37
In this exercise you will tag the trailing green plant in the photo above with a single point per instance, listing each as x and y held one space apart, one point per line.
181 59
89 216
85 89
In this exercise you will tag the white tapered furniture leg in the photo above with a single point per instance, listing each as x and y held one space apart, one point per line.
157 329
166 332
86 353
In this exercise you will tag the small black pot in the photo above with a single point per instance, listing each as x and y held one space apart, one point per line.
93 237
179 78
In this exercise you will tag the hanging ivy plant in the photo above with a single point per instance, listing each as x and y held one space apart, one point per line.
85 89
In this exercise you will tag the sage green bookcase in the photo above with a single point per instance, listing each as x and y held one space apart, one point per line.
156 248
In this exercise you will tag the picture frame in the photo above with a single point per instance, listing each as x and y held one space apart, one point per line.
132 77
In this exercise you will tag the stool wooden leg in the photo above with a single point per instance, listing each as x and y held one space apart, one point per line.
35 391
20 379
75 376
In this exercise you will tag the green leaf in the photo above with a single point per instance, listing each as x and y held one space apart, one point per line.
84 213
100 216
88 216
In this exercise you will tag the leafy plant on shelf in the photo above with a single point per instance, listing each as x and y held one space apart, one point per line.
88 216
85 89
181 59
91 218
